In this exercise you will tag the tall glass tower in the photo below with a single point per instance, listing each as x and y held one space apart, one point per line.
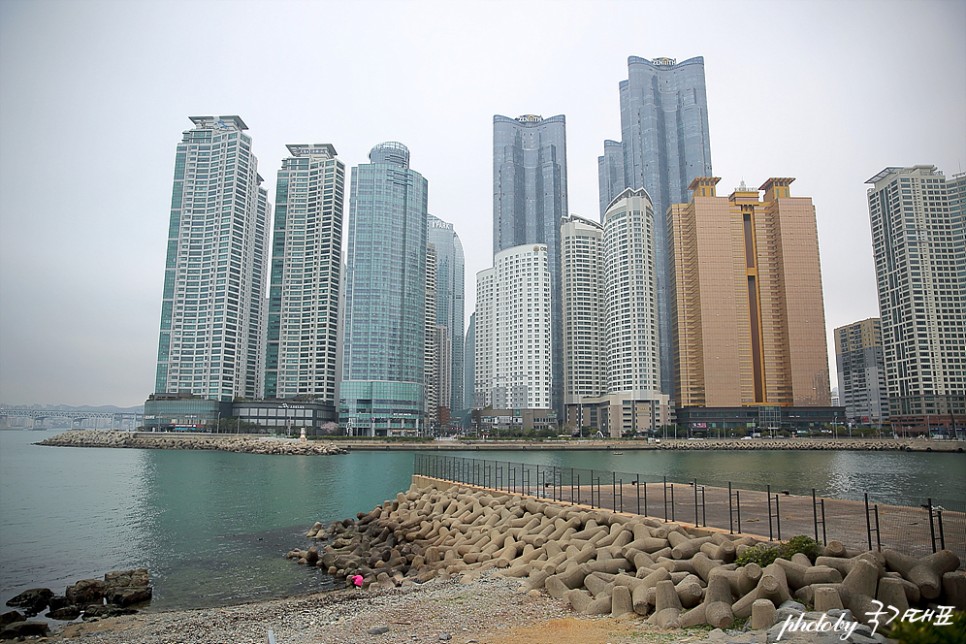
211 309
383 390
665 145
529 202
303 308
450 280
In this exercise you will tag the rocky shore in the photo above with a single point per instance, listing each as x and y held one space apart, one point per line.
222 442
117 594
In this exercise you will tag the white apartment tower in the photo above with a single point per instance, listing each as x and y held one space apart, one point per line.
630 293
302 352
611 349
212 322
918 237
513 332
582 285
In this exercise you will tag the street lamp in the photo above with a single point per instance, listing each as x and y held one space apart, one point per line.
287 431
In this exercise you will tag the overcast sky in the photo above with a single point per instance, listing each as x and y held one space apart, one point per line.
94 97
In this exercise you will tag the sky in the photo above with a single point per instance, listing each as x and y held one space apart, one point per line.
94 97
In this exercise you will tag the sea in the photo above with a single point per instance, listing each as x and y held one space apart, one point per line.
213 527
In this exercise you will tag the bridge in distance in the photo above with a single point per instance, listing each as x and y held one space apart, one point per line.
34 418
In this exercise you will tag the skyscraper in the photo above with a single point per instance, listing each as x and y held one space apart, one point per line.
629 295
918 237
382 391
611 361
450 304
211 309
530 200
749 317
304 293
584 310
513 346
858 355
665 144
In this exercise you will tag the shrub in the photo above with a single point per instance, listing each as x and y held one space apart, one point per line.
764 553
929 632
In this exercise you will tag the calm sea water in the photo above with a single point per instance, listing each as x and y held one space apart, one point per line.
213 527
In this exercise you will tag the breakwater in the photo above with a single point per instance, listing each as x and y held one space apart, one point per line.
225 443
723 444
603 562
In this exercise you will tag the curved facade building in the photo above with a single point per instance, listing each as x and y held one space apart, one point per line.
530 200
665 145
630 287
382 391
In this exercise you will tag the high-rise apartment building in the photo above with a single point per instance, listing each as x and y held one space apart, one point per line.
513 345
584 310
302 349
611 359
383 388
918 237
450 304
630 295
530 200
211 309
749 317
858 355
664 145
469 365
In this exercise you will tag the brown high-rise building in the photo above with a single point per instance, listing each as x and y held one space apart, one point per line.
748 314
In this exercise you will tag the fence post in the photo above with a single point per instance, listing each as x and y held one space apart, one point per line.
824 533
738 506
878 536
672 502
613 487
814 515
868 520
731 518
572 488
665 499
932 528
637 485
939 519
771 535
695 484
778 517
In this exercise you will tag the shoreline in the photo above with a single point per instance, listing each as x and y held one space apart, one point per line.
265 444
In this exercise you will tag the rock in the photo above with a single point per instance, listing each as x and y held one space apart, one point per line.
127 578
378 630
64 613
10 617
86 591
32 601
128 596
445 637
23 629
95 611
58 601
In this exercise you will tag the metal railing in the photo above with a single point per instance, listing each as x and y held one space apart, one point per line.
738 508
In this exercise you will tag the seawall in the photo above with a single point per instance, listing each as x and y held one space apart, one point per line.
227 443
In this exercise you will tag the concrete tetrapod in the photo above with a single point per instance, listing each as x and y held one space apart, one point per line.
601 562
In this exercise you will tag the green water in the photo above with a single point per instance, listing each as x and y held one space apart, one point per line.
213 527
